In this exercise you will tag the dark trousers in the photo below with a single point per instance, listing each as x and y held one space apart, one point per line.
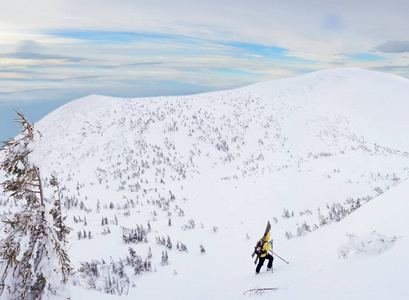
261 262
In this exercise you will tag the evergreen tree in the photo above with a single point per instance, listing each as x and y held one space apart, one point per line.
33 261
56 212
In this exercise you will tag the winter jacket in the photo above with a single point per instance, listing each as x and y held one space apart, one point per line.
266 246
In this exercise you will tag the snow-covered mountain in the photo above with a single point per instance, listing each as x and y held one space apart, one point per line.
324 157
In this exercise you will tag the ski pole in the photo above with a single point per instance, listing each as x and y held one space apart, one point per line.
280 257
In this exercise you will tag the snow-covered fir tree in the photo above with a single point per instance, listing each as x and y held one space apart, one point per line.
33 261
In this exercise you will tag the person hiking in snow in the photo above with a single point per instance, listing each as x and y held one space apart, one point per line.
264 254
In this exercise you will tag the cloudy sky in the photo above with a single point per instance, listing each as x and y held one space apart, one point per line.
54 51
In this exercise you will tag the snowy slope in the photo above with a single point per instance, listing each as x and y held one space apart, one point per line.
211 169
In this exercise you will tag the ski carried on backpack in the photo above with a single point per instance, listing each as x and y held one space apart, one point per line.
259 244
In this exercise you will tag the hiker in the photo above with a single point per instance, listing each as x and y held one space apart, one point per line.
264 254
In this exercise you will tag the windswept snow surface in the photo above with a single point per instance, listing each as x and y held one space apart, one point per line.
331 148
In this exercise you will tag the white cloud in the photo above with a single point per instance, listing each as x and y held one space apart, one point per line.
317 34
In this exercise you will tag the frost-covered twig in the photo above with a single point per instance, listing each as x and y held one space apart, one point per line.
259 291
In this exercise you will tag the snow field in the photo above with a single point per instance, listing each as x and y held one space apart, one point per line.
227 162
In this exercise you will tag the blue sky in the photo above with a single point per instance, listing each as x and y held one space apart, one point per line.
52 52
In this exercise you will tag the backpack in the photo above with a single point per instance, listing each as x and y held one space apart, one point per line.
259 247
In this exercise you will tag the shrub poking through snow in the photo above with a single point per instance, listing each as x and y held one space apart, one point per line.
181 247
165 258
190 225
372 243
108 278
135 235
